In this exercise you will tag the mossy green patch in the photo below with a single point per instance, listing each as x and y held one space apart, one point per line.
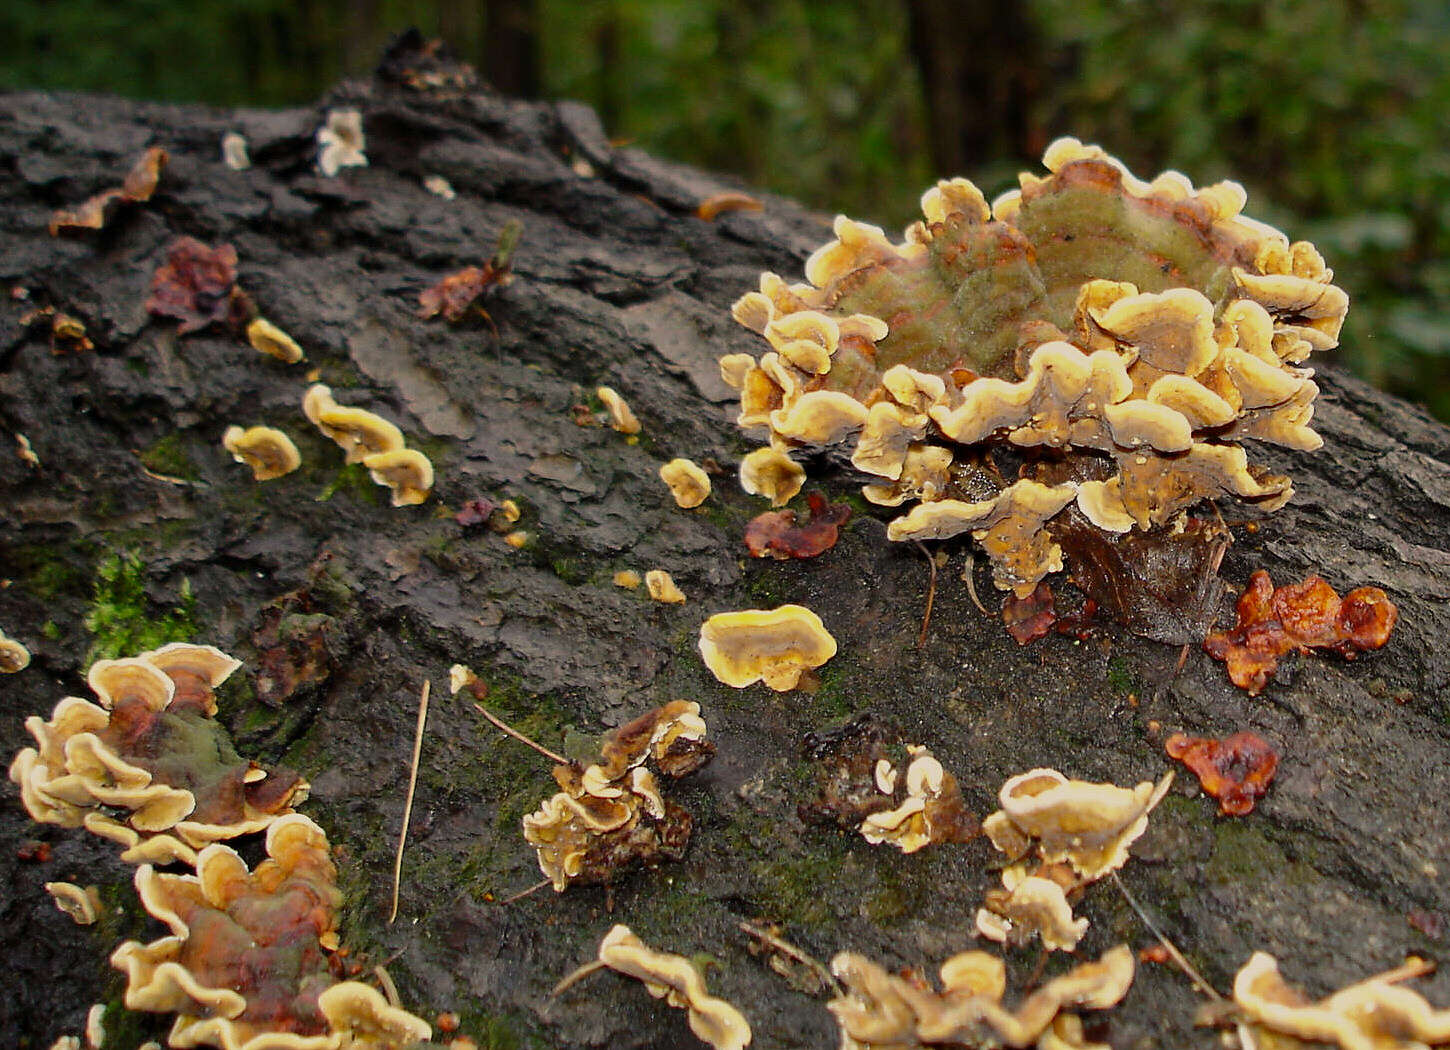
509 1030
168 456
1122 679
50 571
121 617
354 480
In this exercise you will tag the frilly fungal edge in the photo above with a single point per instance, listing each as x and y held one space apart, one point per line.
1087 347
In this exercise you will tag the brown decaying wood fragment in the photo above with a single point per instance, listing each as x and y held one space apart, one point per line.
775 534
1236 770
1273 622
712 207
197 286
96 212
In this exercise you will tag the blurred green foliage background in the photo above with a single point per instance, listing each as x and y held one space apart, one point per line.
1332 112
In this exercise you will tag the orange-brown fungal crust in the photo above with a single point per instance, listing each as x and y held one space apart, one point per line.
1274 621
610 816
1135 332
149 766
1236 770
776 534
1030 618
98 211
197 286
879 1010
246 962
1374 1014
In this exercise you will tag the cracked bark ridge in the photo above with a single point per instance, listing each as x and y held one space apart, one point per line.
617 283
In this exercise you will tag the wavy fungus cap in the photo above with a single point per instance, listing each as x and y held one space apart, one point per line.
1117 338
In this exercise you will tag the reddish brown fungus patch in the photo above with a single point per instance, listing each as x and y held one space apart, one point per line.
1030 618
97 212
1273 622
475 512
33 851
775 534
197 286
1236 770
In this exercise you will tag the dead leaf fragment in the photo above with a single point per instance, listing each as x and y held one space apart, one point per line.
97 212
775 534
712 207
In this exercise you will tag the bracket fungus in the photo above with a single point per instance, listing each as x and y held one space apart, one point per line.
358 432
153 753
406 471
774 646
610 815
1236 770
246 965
689 484
81 904
97 212
340 142
769 472
267 451
925 807
662 587
1088 341
675 979
14 657
267 338
621 416
1027 906
1087 826
1274 621
881 1011
1374 1014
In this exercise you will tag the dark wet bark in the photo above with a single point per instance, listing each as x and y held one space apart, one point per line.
617 284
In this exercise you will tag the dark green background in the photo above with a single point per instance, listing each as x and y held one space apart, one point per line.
1335 115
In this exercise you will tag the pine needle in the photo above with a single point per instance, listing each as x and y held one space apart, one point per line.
969 577
558 760
1168 946
408 803
535 888
593 966
930 594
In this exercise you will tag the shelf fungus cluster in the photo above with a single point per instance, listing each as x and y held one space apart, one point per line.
148 765
1059 835
611 816
863 785
774 646
1089 346
881 1011
367 438
247 961
675 979
1374 1014
14 657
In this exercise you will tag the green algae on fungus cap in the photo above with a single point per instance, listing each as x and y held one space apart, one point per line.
1117 338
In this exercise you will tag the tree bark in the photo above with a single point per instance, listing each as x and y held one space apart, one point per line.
618 284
